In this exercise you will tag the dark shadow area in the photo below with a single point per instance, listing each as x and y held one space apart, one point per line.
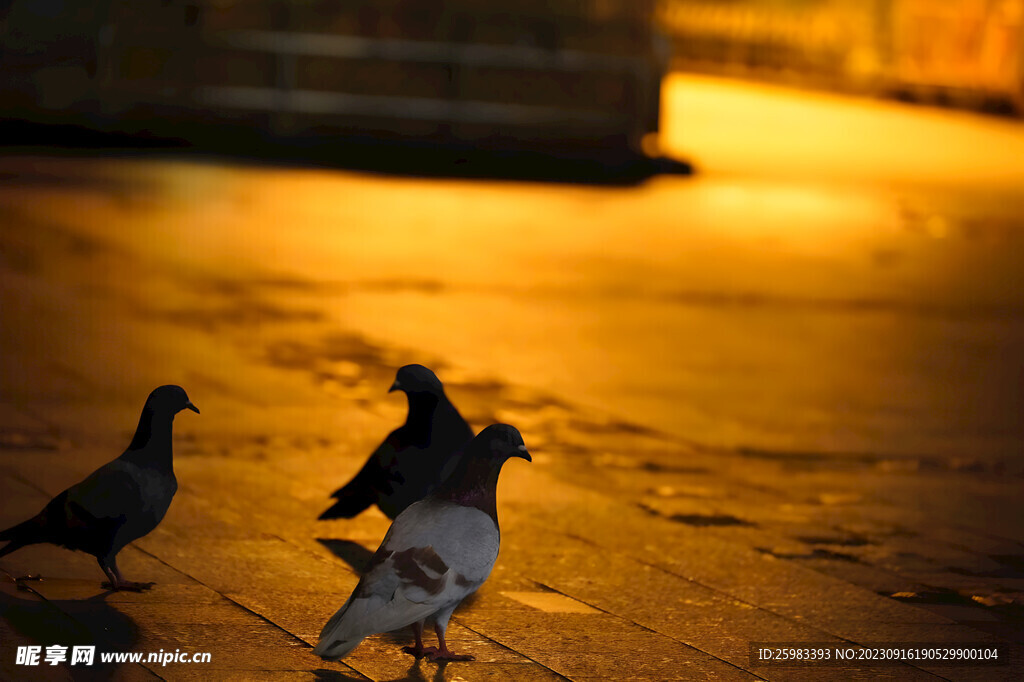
419 672
708 520
1012 566
408 157
851 541
329 675
816 553
89 622
352 553
1009 612
404 637
469 600
938 596
657 468
700 520
811 461
19 134
1005 570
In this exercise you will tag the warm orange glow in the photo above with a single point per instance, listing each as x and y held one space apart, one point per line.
630 297
773 132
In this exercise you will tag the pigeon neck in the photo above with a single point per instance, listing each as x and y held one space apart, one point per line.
473 484
421 410
153 434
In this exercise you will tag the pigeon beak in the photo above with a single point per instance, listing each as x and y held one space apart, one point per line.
522 452
192 407
395 387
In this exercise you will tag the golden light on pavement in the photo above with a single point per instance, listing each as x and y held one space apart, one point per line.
777 396
829 137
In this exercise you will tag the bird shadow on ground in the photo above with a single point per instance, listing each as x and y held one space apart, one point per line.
352 553
332 675
418 673
88 622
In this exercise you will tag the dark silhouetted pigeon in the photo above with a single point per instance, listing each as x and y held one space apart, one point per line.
436 553
414 458
120 502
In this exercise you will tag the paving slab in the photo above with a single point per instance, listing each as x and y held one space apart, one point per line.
629 550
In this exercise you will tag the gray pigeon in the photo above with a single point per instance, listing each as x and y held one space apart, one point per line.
414 458
120 502
436 553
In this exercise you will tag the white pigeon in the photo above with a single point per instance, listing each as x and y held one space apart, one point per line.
436 553
120 502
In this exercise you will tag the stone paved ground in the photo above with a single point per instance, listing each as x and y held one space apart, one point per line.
628 552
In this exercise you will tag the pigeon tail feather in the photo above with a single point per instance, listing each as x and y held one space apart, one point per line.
11 547
25 532
333 650
20 535
345 509
352 499
11 533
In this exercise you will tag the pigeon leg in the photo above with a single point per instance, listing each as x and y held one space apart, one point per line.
419 651
442 653
111 584
117 581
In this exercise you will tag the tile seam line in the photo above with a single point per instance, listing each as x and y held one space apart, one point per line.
238 604
504 646
731 597
264 618
773 534
776 493
490 639
31 484
302 641
719 590
648 629
32 590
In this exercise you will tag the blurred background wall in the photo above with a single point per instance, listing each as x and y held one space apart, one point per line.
494 74
550 75
967 53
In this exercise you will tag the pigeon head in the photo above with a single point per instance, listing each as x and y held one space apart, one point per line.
170 400
502 442
417 379
475 479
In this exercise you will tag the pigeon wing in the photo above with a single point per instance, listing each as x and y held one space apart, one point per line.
110 492
88 515
376 478
422 466
375 473
409 579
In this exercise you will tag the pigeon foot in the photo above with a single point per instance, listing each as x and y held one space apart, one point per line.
127 586
421 651
442 653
